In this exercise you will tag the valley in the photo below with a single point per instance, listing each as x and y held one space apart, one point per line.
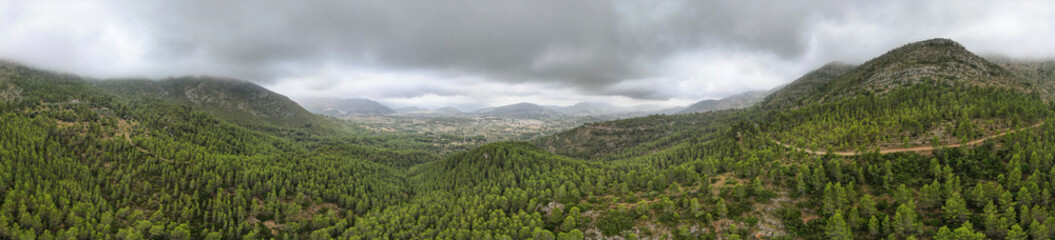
474 130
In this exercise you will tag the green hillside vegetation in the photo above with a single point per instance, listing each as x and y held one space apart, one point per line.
792 94
920 114
924 93
637 136
81 161
232 100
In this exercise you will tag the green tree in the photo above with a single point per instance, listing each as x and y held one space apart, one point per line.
964 232
837 228
873 226
569 223
1038 230
868 206
906 222
1016 233
993 224
720 208
955 209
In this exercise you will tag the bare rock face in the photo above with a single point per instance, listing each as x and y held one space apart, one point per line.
938 61
790 95
240 95
8 91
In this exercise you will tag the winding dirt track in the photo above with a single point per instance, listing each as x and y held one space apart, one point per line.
912 149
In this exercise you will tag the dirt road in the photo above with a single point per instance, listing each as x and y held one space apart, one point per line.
912 149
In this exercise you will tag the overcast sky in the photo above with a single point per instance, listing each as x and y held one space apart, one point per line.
484 53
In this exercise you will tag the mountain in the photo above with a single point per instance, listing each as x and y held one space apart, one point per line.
932 91
591 109
942 61
411 109
230 99
791 94
1038 74
742 100
670 110
338 107
910 96
520 110
447 110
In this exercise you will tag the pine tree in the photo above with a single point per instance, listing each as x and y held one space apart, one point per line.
944 234
955 209
868 206
853 219
930 195
569 223
1038 230
1024 197
837 228
721 209
903 195
993 226
873 226
1016 233
966 232
906 222
830 202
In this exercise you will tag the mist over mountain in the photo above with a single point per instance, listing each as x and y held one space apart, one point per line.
742 100
520 110
339 107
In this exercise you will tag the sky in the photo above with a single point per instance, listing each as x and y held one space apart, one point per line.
472 54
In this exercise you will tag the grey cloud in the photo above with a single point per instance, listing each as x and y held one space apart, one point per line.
587 45
597 48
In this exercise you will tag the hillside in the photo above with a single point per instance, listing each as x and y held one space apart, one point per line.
929 92
338 107
519 110
638 136
793 94
592 109
101 165
742 100
447 111
942 61
229 99
1039 75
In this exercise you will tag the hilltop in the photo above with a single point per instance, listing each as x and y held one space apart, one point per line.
230 99
338 107
940 61
793 94
928 92
519 110
742 100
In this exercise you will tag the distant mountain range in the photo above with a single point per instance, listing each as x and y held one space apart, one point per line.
338 107
520 110
742 100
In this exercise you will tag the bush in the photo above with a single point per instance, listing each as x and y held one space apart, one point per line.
612 223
